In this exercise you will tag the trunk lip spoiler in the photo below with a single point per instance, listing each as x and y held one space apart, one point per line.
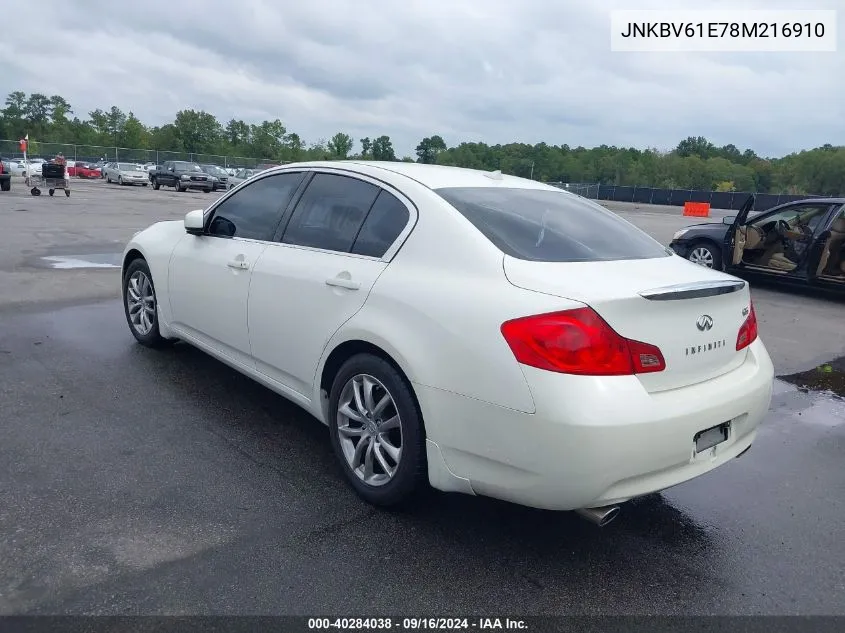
693 290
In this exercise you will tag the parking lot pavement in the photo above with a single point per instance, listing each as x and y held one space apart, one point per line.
97 219
140 481
135 481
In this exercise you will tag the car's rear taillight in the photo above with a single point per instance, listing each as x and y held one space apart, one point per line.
748 331
579 342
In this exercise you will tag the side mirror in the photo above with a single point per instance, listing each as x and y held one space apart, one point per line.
728 219
195 222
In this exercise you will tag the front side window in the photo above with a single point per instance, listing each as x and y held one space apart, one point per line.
254 211
330 213
550 226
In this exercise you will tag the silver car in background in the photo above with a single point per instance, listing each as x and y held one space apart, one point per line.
240 176
126 174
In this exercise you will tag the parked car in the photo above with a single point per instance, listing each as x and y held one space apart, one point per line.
81 169
483 333
182 175
126 174
797 243
219 177
5 178
240 176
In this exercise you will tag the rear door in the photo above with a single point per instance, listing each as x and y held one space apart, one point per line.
735 237
337 241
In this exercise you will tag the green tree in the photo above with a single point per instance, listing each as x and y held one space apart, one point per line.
340 145
200 131
383 149
429 148
695 163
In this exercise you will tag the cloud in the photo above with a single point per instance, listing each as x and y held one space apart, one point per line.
477 70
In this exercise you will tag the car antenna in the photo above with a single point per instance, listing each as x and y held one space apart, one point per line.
494 175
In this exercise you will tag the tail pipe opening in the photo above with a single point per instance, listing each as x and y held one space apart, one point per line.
600 516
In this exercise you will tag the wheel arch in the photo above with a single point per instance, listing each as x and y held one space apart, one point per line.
344 350
130 256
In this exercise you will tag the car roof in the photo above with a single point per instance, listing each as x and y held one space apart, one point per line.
431 176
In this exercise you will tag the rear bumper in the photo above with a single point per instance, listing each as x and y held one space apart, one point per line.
593 441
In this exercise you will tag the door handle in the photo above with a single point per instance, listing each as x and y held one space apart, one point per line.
238 264
340 282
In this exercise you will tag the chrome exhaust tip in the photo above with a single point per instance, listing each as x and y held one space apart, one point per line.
600 516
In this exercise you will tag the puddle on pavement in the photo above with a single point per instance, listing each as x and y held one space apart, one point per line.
93 260
828 378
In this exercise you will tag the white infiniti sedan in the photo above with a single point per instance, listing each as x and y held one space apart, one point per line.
481 333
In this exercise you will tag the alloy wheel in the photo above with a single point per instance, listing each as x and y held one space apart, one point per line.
702 255
369 430
141 302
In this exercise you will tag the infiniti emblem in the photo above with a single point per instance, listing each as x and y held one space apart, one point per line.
704 323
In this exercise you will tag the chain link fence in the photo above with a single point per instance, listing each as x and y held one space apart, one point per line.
92 153
728 200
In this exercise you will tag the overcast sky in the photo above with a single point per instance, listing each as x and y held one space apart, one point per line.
470 70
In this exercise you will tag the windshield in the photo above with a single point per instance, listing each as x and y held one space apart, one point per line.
212 169
128 167
550 226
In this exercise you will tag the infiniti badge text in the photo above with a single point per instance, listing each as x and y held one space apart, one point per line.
705 347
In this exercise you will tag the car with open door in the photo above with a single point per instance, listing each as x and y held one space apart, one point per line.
797 243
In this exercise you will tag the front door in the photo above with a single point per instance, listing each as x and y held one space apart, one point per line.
209 286
735 237
210 274
307 286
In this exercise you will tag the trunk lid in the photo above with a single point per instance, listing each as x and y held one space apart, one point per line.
692 313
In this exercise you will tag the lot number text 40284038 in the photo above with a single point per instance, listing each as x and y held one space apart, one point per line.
417 624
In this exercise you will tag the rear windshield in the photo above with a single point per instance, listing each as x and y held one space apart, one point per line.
550 226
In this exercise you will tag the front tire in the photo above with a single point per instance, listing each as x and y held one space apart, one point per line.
706 254
140 305
156 186
377 431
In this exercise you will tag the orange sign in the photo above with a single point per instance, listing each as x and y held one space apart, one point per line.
23 145
697 209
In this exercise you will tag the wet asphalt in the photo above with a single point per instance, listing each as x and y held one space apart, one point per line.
163 482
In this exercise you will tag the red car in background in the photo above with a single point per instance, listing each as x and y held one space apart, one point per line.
83 170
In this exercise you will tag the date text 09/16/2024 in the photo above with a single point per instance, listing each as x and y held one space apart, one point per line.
416 624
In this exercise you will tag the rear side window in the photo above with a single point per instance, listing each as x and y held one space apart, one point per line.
384 223
330 213
550 226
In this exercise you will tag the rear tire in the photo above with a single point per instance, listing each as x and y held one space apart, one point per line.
67 193
6 185
398 422
51 192
140 305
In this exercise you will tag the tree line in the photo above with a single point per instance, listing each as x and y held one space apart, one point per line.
695 163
